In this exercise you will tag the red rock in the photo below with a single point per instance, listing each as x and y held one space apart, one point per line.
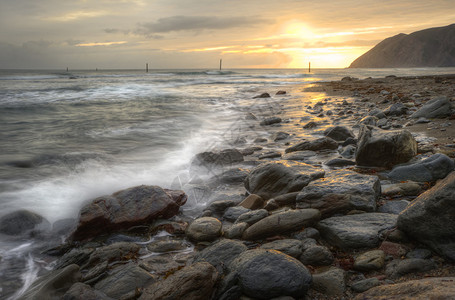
126 208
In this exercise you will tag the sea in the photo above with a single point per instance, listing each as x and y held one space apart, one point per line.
70 136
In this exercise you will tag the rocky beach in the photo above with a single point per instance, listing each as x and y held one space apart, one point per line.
344 193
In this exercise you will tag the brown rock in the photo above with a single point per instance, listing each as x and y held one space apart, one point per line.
394 249
253 201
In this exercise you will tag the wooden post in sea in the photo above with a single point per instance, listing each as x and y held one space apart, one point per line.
220 63
66 69
146 67
309 67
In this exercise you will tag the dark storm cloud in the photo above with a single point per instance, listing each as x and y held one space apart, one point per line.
195 23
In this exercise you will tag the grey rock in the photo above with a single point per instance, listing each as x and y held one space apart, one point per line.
339 162
286 199
116 252
430 217
232 176
252 217
236 231
371 260
271 154
23 221
280 135
341 191
290 247
380 148
393 207
81 291
439 107
364 285
396 109
233 213
263 95
299 155
324 143
433 168
280 223
330 282
409 188
280 177
270 121
369 120
222 158
218 207
195 282
307 233
398 268
264 274
315 255
78 256
348 151
204 229
356 231
339 133
220 254
378 113
419 253
167 246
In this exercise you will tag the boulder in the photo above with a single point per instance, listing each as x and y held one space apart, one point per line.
236 231
330 282
324 143
22 221
125 282
252 217
218 207
221 253
433 168
430 217
341 191
371 260
398 267
393 207
82 291
204 229
134 206
316 255
223 158
233 213
114 253
422 289
290 247
439 107
194 282
280 223
339 133
54 284
380 148
280 177
270 121
232 176
356 231
265 274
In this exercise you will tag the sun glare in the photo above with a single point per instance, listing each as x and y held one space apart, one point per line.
298 30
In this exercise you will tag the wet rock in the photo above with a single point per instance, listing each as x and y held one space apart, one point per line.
195 282
364 285
396 109
233 213
380 148
252 217
220 254
423 289
433 168
393 249
398 268
275 178
286 199
54 284
341 191
222 158
260 140
419 253
204 229
339 162
281 93
236 231
339 133
310 125
271 154
330 282
369 120
324 143
356 231
348 151
253 202
270 121
290 247
263 95
250 116
264 274
162 265
316 255
430 217
280 135
81 291
167 246
371 260
78 256
299 155
409 188
378 113
393 207
439 107
115 252
308 233
218 207
64 226
124 282
280 223
232 176
23 221
134 206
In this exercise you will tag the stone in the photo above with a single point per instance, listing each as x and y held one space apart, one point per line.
371 260
264 274
281 93
398 268
280 223
162 265
233 213
250 116
134 206
204 229
23 221
341 191
271 154
263 95
393 207
365 284
339 162
82 291
236 231
324 143
438 107
252 217
218 207
163 246
290 247
369 120
315 255
419 253
378 113
116 252
307 233
348 151
286 199
195 282
310 125
339 133
220 254
422 289
396 109
64 226
271 179
409 188
232 176
253 202
395 250
435 167
54 284
430 218
78 256
280 135
223 158
270 121
379 148
299 155
356 231
330 282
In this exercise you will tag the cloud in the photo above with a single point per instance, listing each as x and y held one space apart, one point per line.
100 44
195 23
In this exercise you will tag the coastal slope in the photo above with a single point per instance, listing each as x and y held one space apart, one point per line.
433 47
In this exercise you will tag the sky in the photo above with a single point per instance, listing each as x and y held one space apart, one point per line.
178 34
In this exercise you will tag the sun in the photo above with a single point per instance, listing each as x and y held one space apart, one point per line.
297 29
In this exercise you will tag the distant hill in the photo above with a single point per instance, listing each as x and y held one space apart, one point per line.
433 47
